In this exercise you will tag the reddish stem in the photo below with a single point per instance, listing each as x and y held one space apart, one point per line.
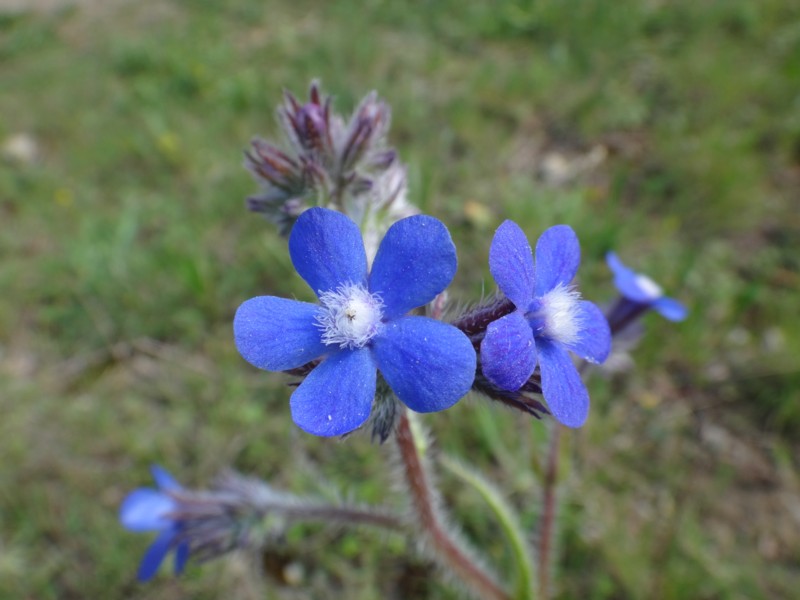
424 503
549 509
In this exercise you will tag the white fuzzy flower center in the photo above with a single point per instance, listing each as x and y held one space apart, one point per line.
351 316
559 313
649 287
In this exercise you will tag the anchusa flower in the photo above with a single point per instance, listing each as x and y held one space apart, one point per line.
328 162
639 294
361 324
148 509
548 319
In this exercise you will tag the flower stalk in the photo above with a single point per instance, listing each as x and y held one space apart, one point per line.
525 587
236 512
447 549
549 514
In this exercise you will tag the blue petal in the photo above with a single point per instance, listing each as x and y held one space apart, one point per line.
558 255
155 555
670 309
327 250
181 556
164 480
429 365
336 397
629 285
415 261
508 354
562 387
634 286
615 264
594 337
511 263
277 334
144 510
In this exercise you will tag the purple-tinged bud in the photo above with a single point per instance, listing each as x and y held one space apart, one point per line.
308 126
381 161
277 207
311 125
273 166
313 93
367 128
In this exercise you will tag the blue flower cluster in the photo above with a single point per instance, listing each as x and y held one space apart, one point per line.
364 348
361 326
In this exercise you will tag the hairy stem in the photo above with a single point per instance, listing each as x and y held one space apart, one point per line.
525 588
547 521
424 499
327 513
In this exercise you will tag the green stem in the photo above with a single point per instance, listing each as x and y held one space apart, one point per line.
523 558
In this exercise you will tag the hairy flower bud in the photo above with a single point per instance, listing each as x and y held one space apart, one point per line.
366 130
272 166
330 162
308 125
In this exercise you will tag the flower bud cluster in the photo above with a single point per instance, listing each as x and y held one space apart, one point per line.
345 165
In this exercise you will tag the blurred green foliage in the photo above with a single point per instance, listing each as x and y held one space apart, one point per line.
125 249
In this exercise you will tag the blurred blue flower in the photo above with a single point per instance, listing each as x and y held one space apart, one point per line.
148 509
550 319
360 325
644 292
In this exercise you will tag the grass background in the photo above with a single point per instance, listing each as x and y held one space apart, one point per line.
669 131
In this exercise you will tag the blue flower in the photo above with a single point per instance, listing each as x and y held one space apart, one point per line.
643 291
550 319
148 509
360 325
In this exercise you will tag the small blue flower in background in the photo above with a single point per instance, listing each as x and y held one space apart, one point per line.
550 319
643 291
148 509
360 325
